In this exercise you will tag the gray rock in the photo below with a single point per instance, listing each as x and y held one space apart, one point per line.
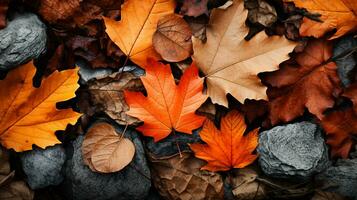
43 167
341 178
23 39
132 182
293 151
345 63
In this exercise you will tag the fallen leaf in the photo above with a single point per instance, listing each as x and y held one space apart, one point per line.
29 115
260 12
208 109
133 33
230 63
253 109
104 150
4 5
198 26
311 82
180 177
167 106
194 8
336 14
172 39
226 148
340 128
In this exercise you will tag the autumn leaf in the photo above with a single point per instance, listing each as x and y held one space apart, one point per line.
172 39
340 127
194 8
230 63
226 148
335 14
29 115
133 34
311 82
105 151
167 106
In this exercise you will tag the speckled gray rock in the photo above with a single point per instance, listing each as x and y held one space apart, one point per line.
44 167
24 38
293 151
345 64
341 178
132 182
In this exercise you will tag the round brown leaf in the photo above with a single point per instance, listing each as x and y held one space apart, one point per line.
172 39
93 136
112 154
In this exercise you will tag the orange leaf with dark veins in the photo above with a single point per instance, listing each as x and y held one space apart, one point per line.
167 106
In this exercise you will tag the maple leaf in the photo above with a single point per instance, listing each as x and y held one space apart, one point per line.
29 115
335 14
312 82
226 148
133 34
340 126
230 63
167 106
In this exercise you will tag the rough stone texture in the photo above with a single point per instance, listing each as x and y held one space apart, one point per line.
23 39
133 182
346 63
293 151
43 167
341 178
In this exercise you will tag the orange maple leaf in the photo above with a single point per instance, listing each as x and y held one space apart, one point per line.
226 148
167 106
133 33
28 115
335 14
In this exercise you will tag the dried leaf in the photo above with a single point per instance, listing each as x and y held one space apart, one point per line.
230 63
167 106
194 8
180 178
172 39
336 14
133 34
260 12
29 115
226 148
198 26
312 82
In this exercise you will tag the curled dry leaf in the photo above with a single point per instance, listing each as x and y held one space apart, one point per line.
230 63
28 115
226 148
198 26
335 14
172 39
260 12
311 82
167 106
194 8
105 151
180 178
133 33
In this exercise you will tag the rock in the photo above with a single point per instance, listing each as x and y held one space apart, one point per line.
43 167
341 178
132 182
23 39
345 63
293 151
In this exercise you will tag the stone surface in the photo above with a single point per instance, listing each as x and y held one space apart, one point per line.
23 39
43 167
293 151
133 182
341 178
345 63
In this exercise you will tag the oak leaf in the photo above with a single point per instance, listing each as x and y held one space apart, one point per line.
226 148
340 127
172 39
133 33
29 115
230 63
335 14
310 81
167 106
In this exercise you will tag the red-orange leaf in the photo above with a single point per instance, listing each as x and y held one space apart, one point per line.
340 127
167 106
226 148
